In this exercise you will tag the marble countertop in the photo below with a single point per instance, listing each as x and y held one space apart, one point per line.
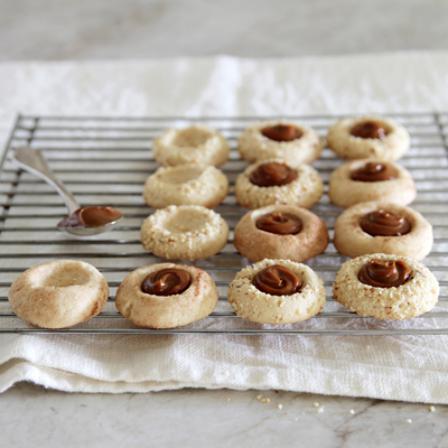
215 418
112 29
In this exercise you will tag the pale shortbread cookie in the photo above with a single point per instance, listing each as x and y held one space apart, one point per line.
58 294
194 144
188 184
345 191
184 232
154 311
257 244
351 240
250 303
254 146
391 147
304 191
417 296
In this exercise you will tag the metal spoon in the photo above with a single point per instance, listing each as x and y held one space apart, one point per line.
81 221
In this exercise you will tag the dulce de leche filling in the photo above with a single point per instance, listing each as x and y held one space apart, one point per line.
369 129
280 223
91 216
166 282
282 132
374 172
384 273
384 223
277 280
273 174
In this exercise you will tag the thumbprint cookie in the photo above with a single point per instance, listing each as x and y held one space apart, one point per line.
368 137
276 292
280 231
58 294
188 184
166 295
291 142
386 286
193 144
371 180
276 182
184 232
382 227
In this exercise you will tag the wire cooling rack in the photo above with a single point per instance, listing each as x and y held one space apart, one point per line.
105 160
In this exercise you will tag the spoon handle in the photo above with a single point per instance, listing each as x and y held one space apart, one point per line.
33 161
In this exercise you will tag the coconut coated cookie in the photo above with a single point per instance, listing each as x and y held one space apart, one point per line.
276 292
386 286
291 142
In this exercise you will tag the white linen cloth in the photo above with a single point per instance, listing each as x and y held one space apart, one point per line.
406 368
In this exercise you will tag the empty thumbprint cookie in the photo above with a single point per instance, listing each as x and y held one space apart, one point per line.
188 184
276 292
386 286
371 180
368 137
291 142
166 295
280 231
194 144
382 227
275 182
184 232
58 294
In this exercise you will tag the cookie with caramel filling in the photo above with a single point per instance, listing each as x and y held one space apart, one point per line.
384 227
166 295
288 141
371 180
280 231
276 182
368 137
386 286
276 292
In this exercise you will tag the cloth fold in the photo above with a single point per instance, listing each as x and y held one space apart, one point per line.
407 368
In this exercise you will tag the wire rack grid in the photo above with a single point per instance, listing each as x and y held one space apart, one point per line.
105 160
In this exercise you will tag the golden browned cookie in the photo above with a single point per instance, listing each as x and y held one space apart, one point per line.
58 294
277 292
368 137
166 295
371 180
280 232
386 286
382 227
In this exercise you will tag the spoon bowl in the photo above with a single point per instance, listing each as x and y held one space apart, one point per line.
90 220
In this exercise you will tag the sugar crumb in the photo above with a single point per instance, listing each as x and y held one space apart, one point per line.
432 408
263 399
352 411
409 420
280 406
